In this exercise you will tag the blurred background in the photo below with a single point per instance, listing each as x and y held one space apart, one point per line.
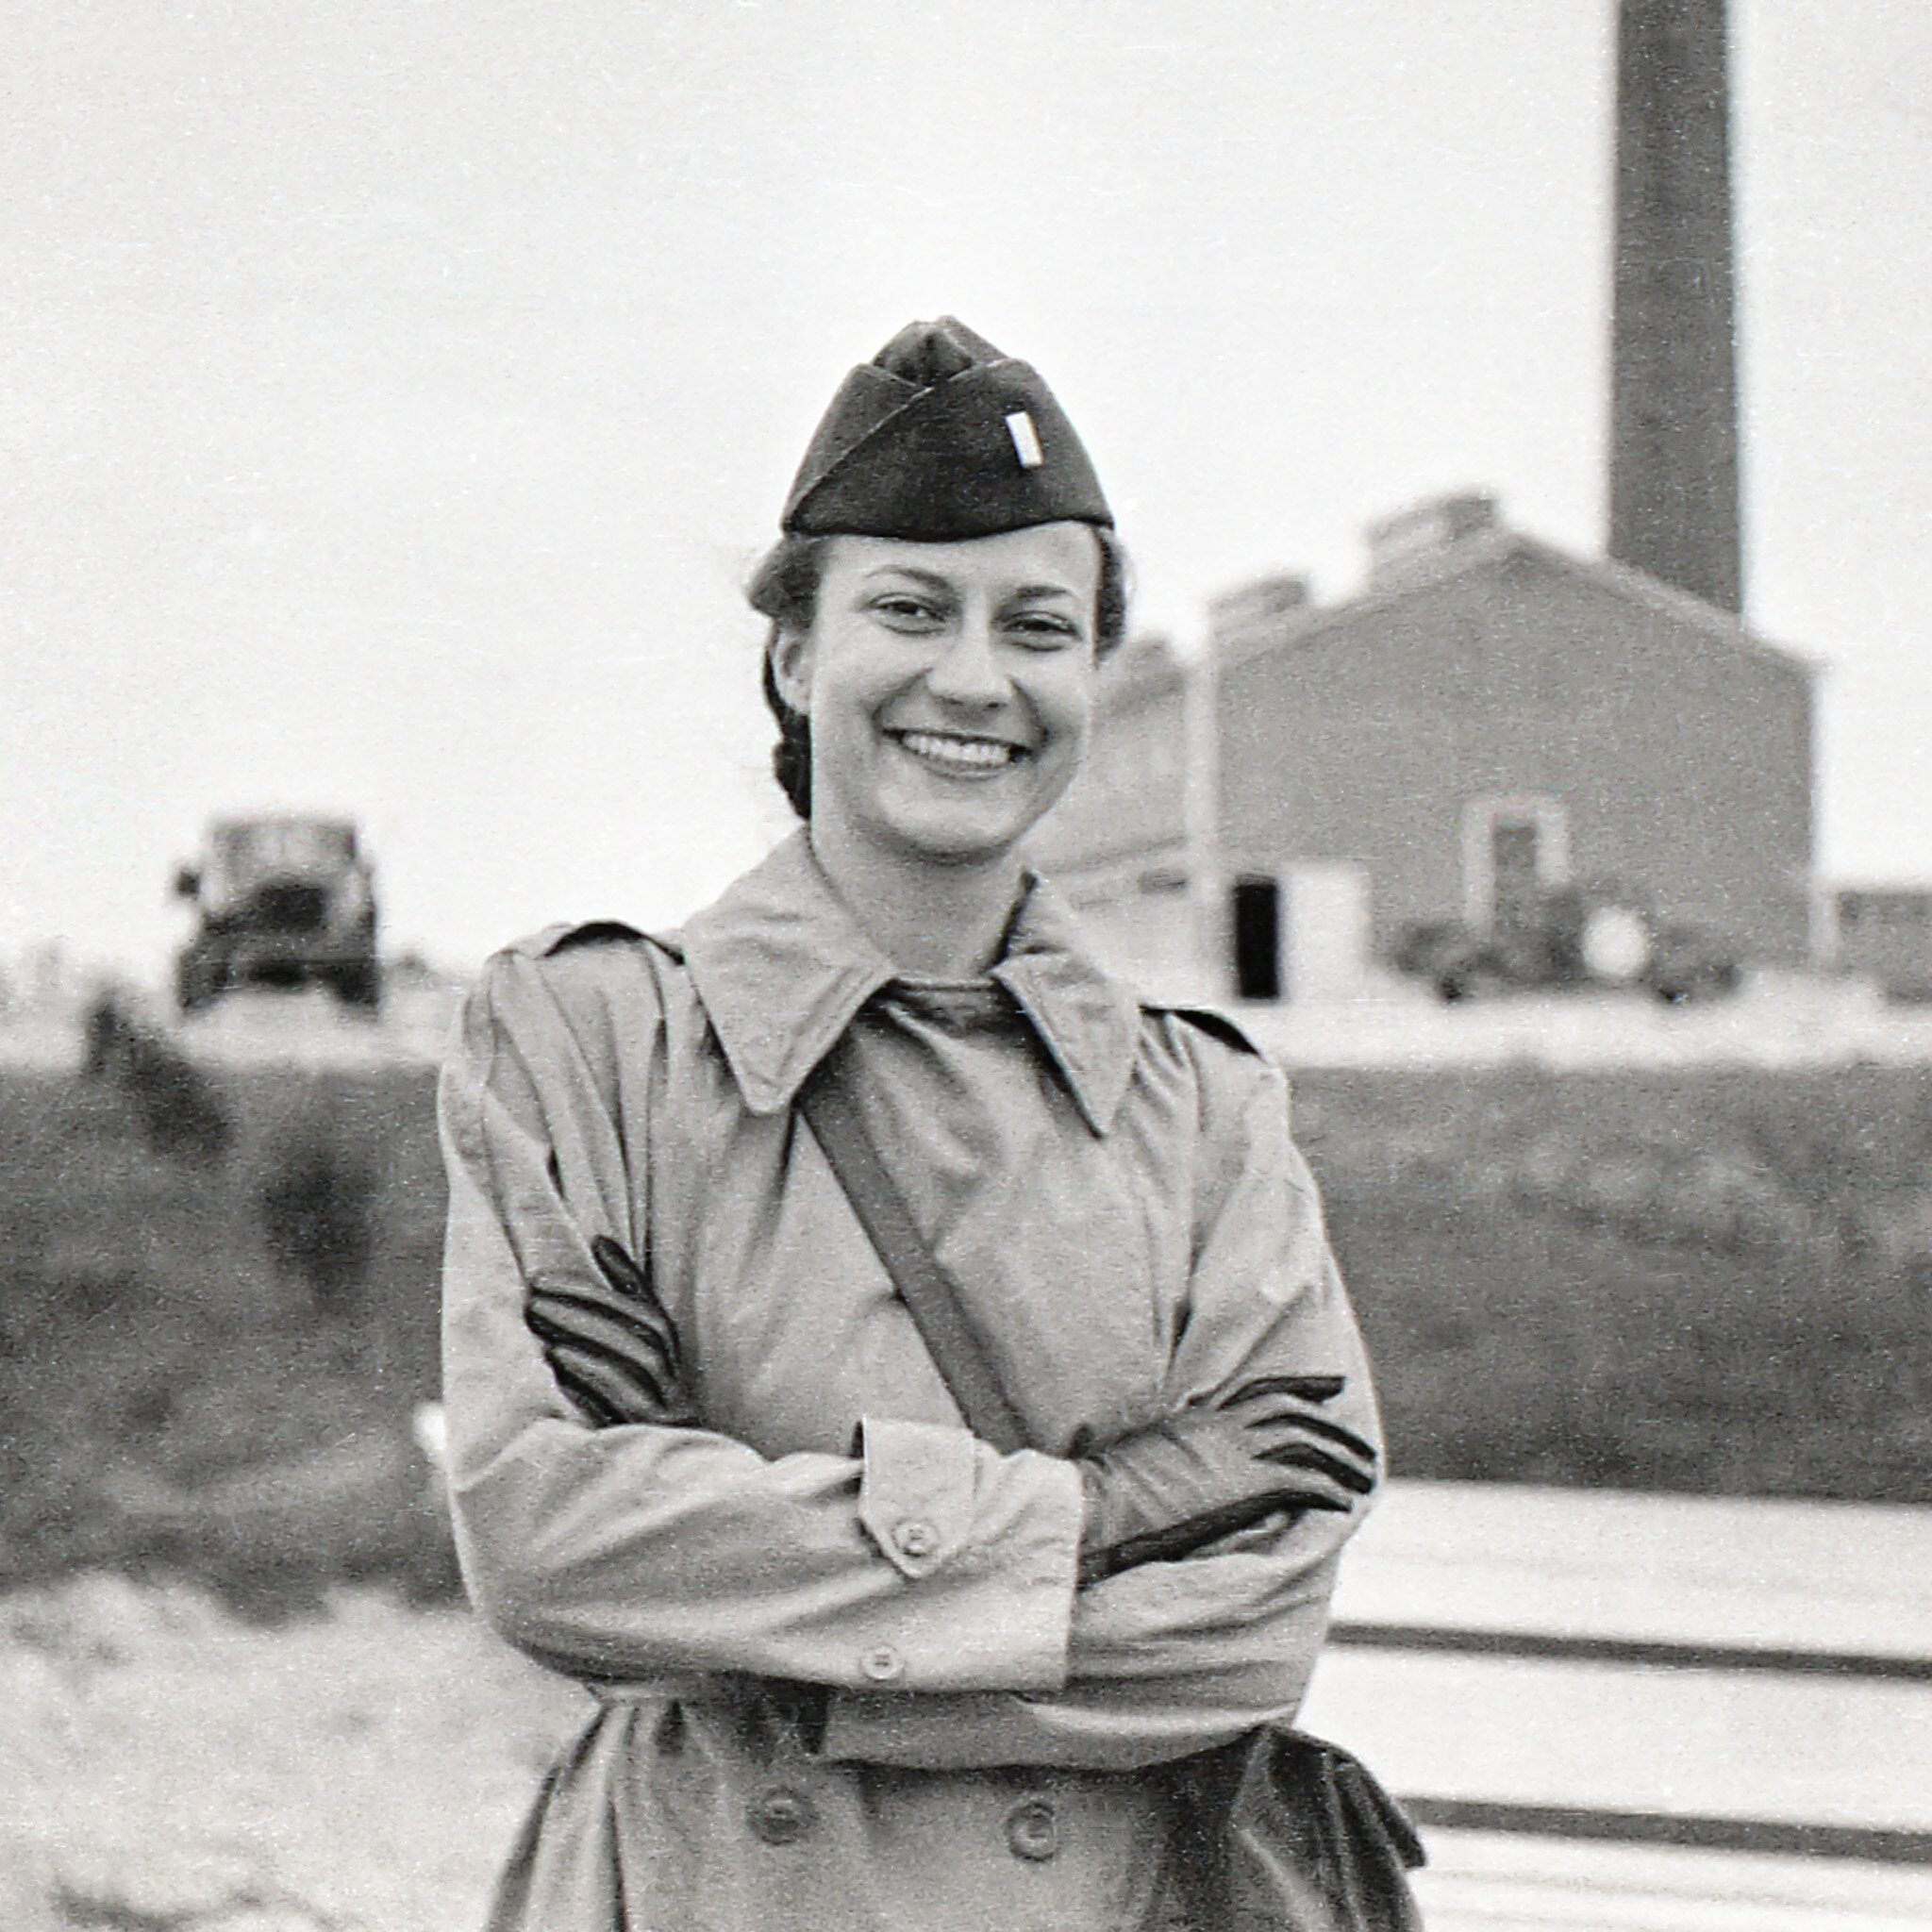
1528 480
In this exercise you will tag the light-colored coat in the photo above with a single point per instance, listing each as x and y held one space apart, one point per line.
1115 1190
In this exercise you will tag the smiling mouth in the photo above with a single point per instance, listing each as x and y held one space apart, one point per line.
958 754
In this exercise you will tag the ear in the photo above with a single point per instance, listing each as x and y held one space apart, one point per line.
791 656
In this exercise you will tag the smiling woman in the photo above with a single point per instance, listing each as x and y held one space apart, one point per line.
900 1372
948 689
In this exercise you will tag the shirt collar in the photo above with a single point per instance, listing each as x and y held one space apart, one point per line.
782 967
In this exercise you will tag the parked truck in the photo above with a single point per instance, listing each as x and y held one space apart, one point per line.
285 900
1571 937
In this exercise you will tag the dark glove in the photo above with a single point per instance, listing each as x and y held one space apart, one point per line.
1169 1490
610 1346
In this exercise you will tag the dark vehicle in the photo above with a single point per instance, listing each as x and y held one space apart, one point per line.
1571 937
285 901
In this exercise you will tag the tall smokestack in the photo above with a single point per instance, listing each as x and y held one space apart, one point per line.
1673 402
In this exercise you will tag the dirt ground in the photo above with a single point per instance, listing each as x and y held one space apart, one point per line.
165 1768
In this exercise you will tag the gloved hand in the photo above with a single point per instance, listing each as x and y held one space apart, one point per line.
1168 1489
610 1344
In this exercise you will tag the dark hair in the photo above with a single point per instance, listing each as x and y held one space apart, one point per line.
785 588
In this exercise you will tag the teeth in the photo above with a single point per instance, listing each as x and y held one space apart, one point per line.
984 752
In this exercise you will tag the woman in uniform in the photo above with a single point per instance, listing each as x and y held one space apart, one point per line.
855 1665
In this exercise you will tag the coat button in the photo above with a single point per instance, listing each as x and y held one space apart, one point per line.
781 1816
882 1664
1032 1830
916 1538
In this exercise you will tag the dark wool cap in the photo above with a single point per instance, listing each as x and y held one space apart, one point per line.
938 438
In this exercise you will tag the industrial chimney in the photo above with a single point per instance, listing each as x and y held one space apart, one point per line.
1673 403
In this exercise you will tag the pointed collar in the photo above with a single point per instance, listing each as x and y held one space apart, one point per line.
782 967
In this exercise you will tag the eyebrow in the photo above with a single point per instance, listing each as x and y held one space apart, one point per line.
937 582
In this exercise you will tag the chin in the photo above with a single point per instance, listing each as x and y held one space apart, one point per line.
949 831
941 848
956 833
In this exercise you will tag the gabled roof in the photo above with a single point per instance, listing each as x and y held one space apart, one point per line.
1488 551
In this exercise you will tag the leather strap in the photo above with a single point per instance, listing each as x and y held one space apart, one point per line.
924 1286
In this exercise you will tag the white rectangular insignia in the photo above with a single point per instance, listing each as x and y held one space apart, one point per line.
1025 439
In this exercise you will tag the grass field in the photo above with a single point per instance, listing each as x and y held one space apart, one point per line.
211 1341
212 1344
1714 1281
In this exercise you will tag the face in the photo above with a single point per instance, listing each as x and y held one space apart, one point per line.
949 688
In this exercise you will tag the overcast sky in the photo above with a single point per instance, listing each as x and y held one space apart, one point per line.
393 392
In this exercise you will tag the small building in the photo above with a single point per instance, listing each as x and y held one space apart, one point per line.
1885 932
1489 719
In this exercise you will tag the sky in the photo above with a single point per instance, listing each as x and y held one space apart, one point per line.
394 393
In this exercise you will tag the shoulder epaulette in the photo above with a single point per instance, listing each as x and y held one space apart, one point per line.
593 932
561 937
564 937
1211 1020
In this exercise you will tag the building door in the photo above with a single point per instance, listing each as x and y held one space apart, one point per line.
1515 850
1256 939
1514 871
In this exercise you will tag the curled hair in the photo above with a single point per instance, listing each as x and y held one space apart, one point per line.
784 588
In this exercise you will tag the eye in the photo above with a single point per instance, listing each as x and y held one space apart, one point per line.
905 610
1044 630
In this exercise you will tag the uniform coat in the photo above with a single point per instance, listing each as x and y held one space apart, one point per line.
843 1677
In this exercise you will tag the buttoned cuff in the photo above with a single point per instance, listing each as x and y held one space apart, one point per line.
989 1543
916 1495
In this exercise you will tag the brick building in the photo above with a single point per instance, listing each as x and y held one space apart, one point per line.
1489 717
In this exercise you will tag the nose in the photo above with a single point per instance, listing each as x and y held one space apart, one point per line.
968 670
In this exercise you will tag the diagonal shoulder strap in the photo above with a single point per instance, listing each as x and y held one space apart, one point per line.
924 1286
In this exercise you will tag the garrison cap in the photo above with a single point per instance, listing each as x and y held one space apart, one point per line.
941 438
